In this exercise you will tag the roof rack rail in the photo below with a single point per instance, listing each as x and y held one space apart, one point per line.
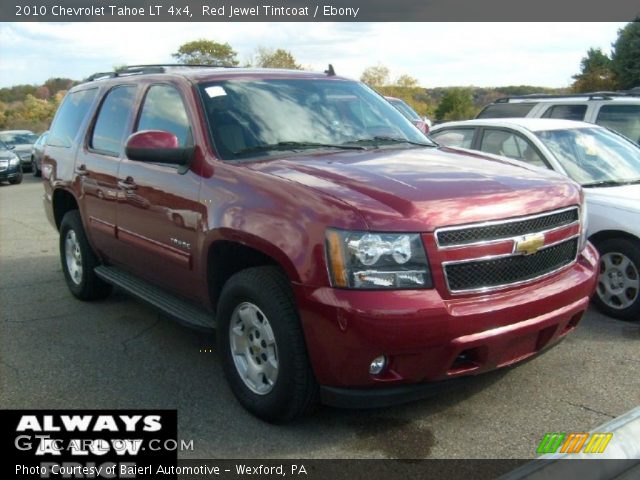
149 68
588 95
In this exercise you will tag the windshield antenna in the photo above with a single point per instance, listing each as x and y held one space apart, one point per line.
330 71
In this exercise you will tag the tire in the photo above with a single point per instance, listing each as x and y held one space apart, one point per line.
618 290
265 297
75 252
16 180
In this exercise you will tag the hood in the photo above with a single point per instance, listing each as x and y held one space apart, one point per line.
420 189
626 197
6 155
23 147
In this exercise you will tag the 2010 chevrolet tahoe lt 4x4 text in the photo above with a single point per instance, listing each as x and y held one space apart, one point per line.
341 255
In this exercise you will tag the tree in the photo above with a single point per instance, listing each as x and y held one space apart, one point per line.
626 56
406 81
376 76
270 58
206 52
596 73
456 104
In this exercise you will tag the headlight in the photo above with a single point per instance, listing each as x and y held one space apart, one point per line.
370 260
14 161
584 224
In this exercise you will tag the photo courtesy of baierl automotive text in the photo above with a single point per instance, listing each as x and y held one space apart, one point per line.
341 240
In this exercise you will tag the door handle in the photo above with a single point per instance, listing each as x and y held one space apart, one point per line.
82 170
127 184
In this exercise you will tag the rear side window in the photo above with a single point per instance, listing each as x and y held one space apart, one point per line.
566 112
69 118
506 110
500 142
163 109
624 119
109 130
454 137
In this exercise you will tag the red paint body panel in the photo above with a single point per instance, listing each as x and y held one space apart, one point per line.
283 207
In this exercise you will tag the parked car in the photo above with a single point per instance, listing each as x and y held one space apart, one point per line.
619 111
341 256
22 141
10 168
36 154
423 123
605 163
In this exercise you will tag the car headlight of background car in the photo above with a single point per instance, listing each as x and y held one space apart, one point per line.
369 260
14 161
584 224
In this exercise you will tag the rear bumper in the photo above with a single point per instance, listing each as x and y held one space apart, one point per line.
430 339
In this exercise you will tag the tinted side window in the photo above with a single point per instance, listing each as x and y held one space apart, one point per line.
566 112
70 115
506 110
624 119
109 130
454 137
163 109
510 145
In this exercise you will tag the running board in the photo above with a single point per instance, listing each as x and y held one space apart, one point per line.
174 307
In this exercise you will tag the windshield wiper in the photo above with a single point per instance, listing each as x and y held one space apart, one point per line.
294 146
377 140
611 183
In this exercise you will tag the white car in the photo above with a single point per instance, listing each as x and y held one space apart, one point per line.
606 164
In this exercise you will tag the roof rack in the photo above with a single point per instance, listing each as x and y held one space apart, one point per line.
147 69
588 95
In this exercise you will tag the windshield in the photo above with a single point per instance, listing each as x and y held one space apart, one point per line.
405 109
593 156
18 138
250 118
3 146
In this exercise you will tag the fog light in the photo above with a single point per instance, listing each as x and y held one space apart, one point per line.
378 365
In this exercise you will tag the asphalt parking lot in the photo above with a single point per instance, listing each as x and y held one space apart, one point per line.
58 352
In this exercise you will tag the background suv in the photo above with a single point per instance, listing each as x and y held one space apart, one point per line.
341 255
619 111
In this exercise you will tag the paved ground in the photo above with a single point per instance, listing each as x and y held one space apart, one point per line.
57 352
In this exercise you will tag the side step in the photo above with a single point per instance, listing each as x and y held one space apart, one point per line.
180 310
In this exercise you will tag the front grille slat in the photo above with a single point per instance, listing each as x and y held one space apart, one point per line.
503 271
449 237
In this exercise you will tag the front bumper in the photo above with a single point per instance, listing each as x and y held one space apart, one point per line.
10 172
430 339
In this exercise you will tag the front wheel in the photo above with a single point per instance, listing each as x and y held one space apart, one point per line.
79 260
16 180
262 346
618 292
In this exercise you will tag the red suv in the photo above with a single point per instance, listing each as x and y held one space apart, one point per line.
341 256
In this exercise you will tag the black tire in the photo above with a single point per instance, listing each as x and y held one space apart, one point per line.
88 286
616 249
16 180
295 391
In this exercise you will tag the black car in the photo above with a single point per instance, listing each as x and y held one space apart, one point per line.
10 168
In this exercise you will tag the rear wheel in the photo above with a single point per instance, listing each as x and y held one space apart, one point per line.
79 260
262 346
618 292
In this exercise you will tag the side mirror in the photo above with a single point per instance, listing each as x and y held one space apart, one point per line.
157 146
11 147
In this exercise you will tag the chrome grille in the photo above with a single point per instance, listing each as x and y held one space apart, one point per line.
486 274
491 231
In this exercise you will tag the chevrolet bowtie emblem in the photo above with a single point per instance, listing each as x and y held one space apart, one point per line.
529 244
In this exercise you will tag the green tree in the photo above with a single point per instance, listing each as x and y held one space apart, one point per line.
376 76
206 52
456 104
270 58
626 56
596 73
406 81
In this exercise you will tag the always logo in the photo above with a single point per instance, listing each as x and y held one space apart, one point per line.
46 444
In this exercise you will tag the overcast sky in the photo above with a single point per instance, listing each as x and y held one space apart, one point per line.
438 54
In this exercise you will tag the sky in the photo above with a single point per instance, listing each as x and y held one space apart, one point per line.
437 54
